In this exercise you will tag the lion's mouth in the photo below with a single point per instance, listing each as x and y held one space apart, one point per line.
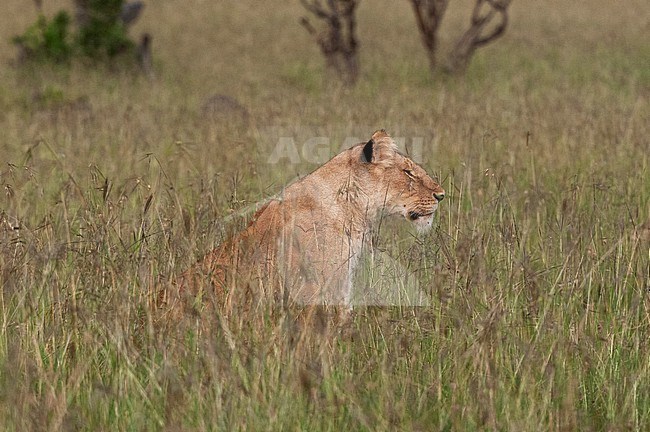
417 215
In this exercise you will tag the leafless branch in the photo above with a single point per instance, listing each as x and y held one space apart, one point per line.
315 7
477 35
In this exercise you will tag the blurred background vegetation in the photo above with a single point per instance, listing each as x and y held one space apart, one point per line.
538 268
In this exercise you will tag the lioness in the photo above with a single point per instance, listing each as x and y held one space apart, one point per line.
305 243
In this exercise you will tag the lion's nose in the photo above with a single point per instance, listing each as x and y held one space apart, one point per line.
439 196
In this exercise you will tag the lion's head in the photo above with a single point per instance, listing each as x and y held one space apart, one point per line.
400 185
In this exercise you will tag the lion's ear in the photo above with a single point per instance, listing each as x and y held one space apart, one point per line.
366 155
379 134
380 149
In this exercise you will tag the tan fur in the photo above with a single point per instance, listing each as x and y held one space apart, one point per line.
303 245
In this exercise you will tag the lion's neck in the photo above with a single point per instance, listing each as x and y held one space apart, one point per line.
344 195
348 201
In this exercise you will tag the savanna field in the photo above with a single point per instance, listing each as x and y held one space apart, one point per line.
537 269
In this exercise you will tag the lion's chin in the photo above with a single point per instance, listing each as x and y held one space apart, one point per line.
423 223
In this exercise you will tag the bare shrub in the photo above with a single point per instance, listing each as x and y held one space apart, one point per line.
337 41
483 29
428 14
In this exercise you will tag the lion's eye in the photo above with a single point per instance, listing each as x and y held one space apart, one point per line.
409 173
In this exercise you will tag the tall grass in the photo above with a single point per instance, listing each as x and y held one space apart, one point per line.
537 271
